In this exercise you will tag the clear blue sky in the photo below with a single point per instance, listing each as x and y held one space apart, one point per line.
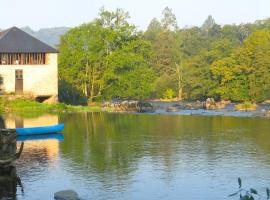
52 13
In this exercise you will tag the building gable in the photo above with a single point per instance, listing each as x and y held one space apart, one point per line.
14 40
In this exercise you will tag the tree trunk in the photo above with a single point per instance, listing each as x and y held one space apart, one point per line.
179 72
180 93
92 84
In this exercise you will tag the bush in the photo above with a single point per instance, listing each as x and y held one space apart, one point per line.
246 106
168 94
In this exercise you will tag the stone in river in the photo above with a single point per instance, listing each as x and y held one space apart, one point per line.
66 195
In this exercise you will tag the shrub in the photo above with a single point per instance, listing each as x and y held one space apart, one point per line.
168 94
246 106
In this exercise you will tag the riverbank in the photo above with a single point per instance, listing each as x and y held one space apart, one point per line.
207 108
21 105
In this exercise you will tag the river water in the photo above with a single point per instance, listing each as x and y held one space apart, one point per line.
145 156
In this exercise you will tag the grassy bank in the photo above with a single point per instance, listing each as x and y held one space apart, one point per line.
26 105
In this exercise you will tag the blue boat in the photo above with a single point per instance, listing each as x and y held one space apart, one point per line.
40 130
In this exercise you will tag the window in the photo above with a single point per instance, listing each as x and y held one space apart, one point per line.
1 83
1 80
22 58
19 74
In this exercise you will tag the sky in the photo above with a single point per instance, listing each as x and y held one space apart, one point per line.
69 13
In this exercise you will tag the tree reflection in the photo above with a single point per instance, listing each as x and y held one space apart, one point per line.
113 145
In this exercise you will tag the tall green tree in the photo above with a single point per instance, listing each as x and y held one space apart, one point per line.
166 59
245 75
99 58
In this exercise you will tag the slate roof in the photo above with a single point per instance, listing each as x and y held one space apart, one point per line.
14 40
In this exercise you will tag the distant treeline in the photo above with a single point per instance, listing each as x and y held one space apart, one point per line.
109 58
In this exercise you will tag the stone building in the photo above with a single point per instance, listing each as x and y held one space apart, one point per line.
27 66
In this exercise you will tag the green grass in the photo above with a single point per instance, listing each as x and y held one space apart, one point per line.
26 105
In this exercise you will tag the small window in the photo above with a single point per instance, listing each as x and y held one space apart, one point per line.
1 80
19 74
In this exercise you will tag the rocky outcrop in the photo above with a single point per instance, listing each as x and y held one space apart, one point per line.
66 195
130 106
267 113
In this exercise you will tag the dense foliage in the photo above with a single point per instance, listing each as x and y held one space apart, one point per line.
108 58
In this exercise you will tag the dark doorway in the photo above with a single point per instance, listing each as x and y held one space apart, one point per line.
18 81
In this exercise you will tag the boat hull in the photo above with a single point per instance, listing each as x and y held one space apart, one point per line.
39 130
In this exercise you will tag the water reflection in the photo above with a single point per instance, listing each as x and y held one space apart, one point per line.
9 182
8 175
124 151
128 156
39 154
22 121
54 136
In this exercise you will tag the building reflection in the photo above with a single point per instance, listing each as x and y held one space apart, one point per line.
48 148
13 121
42 153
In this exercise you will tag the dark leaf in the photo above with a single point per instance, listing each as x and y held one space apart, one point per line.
239 182
253 191
247 197
268 193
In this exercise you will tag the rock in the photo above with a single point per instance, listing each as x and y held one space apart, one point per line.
211 104
172 109
144 107
266 102
220 105
267 114
66 195
130 106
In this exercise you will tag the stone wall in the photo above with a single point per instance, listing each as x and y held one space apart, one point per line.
38 80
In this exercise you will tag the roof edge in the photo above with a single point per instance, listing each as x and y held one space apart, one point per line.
49 48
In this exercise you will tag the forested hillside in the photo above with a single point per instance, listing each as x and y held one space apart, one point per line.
109 58
50 36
